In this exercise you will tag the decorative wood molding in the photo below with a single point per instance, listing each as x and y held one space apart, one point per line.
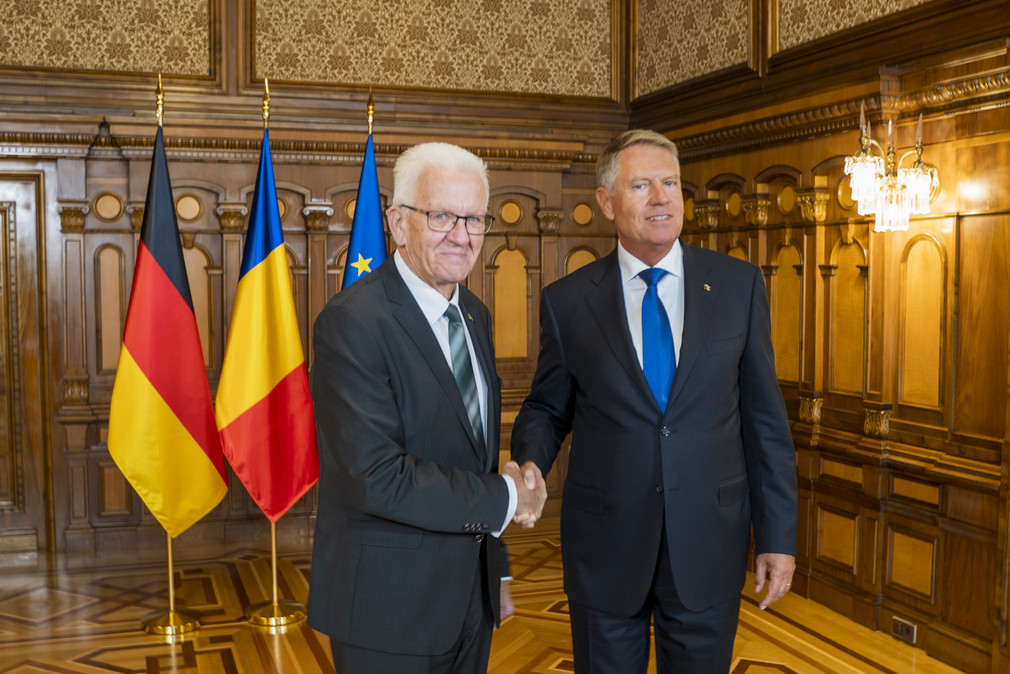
813 203
35 144
706 213
810 409
75 390
72 215
317 216
549 222
877 422
755 210
136 211
232 216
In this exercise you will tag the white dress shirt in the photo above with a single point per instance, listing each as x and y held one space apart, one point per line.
670 288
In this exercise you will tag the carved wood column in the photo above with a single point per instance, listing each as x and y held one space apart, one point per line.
232 216
75 413
317 223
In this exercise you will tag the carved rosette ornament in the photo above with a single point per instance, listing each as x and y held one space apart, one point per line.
813 205
706 213
317 216
810 409
755 210
72 215
877 423
549 222
232 216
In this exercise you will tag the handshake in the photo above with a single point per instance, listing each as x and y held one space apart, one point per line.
532 492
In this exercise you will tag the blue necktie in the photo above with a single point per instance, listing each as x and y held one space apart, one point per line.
658 359
462 372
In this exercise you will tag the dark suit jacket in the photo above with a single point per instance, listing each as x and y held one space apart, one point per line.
405 499
718 461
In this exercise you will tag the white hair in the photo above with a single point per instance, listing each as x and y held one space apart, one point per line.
416 160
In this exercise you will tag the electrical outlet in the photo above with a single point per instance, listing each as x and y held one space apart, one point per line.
904 630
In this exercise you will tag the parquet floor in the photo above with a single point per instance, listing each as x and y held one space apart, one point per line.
82 616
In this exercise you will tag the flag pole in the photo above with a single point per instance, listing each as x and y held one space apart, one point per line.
173 621
276 612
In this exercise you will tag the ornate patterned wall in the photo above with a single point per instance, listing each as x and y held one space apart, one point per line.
168 36
527 46
803 21
678 41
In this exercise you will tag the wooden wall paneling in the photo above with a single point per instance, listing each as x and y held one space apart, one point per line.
924 311
982 326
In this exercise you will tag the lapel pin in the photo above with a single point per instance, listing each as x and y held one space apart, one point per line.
708 288
469 316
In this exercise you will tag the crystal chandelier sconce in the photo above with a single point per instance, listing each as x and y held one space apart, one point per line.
880 187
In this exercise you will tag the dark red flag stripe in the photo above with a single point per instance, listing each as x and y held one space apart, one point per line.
158 315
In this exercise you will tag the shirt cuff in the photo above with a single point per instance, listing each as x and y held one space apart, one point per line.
513 504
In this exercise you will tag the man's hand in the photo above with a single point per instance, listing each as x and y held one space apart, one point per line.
532 492
777 569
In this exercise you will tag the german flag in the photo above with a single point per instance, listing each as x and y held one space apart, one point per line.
162 433
264 410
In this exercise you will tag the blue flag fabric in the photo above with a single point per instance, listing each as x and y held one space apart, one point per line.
367 249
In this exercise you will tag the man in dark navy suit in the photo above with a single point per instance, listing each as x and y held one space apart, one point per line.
658 360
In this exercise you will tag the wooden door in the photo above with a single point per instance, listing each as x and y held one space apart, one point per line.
23 391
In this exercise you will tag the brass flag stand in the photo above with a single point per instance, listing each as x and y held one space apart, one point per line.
275 612
172 622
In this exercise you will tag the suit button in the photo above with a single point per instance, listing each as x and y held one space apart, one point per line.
467 527
664 431
659 489
479 537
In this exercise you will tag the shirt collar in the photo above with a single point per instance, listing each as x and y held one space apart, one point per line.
432 303
631 266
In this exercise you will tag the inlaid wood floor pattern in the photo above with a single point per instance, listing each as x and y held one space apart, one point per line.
81 615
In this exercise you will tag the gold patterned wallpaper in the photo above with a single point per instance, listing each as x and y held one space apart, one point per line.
167 36
527 46
681 40
803 21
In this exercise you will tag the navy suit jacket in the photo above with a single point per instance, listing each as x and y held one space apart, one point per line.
717 462
406 499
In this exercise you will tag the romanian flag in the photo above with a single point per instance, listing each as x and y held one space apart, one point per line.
264 410
367 249
162 433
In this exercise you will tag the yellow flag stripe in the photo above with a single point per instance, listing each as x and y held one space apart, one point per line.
264 344
164 463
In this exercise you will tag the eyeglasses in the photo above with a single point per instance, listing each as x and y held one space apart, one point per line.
444 221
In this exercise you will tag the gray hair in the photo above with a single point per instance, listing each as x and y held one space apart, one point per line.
606 165
416 160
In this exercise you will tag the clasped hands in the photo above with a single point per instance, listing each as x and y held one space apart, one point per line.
532 492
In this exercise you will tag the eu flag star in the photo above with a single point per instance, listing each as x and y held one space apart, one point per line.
362 265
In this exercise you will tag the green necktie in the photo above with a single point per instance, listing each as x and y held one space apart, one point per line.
462 372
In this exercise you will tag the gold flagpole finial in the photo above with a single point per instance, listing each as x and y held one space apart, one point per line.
266 102
160 101
371 110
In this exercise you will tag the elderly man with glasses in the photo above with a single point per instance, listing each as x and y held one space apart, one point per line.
407 563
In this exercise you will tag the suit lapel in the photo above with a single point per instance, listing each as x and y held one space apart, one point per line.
606 302
416 326
700 295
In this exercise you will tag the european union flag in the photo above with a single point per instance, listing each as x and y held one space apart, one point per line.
367 249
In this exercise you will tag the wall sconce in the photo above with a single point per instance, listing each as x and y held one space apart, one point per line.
880 186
